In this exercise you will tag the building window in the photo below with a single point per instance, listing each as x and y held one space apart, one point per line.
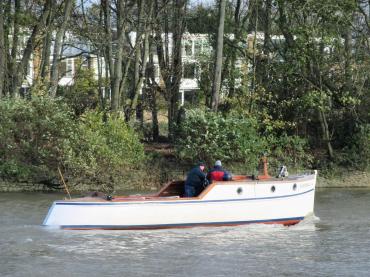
86 62
188 48
65 68
191 97
62 69
189 71
69 71
197 47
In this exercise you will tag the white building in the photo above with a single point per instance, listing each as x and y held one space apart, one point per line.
194 47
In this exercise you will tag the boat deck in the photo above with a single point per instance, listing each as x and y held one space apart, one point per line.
175 190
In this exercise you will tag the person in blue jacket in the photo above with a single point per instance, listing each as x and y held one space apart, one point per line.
195 181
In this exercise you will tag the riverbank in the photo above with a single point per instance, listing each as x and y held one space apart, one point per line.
349 179
354 179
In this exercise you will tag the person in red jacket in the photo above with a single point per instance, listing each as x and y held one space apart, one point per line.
217 173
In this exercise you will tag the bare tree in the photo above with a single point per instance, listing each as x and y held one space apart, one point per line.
170 63
108 35
68 5
218 58
2 51
117 76
30 46
141 55
15 45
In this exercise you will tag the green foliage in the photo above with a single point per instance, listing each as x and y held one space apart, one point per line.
316 100
38 135
357 153
104 149
83 94
201 19
34 137
288 150
210 136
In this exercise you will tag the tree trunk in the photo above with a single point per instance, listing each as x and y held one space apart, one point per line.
151 95
6 27
2 52
144 61
176 66
284 24
45 58
117 77
326 133
233 58
138 76
108 36
218 58
30 45
170 65
155 125
266 42
44 69
139 83
15 48
58 47
348 59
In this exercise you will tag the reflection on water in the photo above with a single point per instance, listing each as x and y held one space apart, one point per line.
334 242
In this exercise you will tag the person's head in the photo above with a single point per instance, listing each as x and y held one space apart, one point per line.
218 163
201 165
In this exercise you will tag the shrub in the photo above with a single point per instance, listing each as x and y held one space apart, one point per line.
83 94
288 150
34 137
105 149
38 135
357 153
210 136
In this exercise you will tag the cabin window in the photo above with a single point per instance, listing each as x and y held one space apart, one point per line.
273 189
295 187
239 190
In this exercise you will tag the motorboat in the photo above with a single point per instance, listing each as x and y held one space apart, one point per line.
242 200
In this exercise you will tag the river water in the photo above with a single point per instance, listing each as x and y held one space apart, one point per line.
334 242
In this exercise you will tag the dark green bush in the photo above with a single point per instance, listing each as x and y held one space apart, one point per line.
287 150
34 137
83 94
104 149
209 136
357 153
38 135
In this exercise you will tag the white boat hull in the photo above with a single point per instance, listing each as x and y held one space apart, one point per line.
225 203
